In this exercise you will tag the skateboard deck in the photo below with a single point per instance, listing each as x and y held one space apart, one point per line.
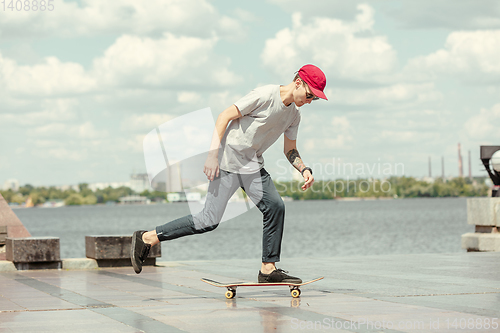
231 287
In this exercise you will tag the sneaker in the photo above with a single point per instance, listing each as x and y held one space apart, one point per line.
278 275
139 250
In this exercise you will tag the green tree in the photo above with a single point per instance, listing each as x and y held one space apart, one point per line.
74 199
36 198
7 195
90 200
18 198
26 189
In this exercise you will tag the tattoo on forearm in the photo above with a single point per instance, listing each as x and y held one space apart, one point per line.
294 158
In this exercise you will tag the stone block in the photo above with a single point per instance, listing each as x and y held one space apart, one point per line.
114 251
34 252
3 234
483 242
79 263
11 223
7 266
483 211
9 218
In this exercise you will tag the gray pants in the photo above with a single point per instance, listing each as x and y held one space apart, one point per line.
260 189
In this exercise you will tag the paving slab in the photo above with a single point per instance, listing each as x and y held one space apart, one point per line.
390 293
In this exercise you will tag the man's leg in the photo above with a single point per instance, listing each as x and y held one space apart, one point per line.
219 192
261 190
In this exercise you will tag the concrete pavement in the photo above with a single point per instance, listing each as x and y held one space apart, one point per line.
389 293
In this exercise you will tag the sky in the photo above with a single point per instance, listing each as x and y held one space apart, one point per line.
82 85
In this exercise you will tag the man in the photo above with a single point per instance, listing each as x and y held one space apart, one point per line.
235 160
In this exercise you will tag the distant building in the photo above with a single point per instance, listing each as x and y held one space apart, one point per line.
139 182
460 165
11 184
173 179
428 180
134 199
176 197
183 196
63 188
159 186
101 186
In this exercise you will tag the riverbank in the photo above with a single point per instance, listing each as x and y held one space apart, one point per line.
392 187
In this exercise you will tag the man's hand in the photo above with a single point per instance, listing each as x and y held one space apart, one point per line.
211 168
309 180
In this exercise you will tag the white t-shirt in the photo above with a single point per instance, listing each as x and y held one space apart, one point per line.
265 118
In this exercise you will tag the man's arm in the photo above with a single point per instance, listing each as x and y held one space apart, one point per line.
294 158
211 168
223 120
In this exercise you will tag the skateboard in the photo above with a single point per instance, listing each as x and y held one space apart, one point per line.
231 287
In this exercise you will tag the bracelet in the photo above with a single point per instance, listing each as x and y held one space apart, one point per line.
306 168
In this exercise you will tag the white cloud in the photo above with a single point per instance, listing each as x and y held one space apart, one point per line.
470 55
173 62
339 141
449 14
135 143
66 154
96 17
52 77
144 122
341 124
338 135
50 110
82 131
188 97
393 95
485 125
336 46
170 61
220 101
422 14
408 137
328 8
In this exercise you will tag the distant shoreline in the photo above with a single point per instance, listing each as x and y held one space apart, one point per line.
343 199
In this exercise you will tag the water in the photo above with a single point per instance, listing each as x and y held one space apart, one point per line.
312 228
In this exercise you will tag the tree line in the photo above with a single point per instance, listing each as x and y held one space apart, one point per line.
394 187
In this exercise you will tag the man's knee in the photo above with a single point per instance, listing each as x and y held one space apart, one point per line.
206 222
278 206
209 228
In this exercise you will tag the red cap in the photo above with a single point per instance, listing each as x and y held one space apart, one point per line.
315 79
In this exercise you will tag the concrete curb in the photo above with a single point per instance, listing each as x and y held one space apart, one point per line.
481 242
68 264
79 263
7 266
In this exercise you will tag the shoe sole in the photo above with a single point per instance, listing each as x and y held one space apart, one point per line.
137 269
284 281
291 282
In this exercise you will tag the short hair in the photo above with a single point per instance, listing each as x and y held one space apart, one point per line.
297 76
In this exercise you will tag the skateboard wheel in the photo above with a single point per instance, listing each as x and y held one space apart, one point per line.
230 294
295 293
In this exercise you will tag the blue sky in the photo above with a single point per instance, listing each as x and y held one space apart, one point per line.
81 86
